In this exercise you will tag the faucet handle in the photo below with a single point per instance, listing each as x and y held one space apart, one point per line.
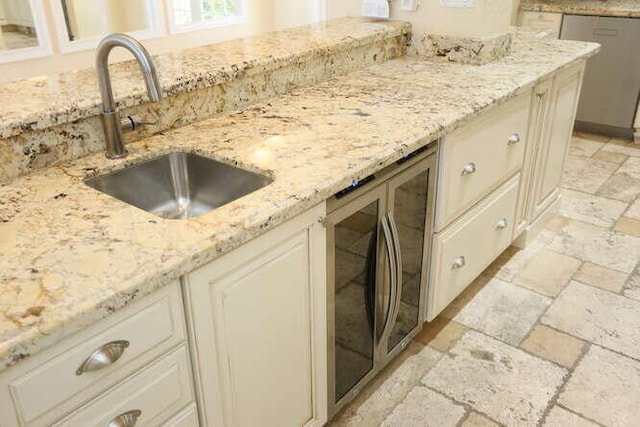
131 123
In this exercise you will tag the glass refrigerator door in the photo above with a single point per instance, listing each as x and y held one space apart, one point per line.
410 194
353 254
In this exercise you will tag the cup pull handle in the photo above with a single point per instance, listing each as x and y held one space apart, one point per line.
128 419
514 139
105 356
469 168
503 223
458 263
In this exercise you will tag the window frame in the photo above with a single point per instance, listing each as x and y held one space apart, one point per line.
43 48
228 21
154 30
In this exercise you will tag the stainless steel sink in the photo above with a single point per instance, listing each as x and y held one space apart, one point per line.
179 185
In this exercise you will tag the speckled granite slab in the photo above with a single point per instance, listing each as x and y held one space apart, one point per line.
466 50
585 7
77 255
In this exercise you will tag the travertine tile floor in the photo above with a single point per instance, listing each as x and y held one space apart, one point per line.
547 336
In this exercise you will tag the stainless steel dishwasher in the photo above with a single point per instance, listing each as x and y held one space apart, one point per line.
611 85
379 237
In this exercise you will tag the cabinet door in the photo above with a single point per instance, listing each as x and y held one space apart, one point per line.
556 132
258 317
538 111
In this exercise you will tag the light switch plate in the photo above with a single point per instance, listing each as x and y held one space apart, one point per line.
456 3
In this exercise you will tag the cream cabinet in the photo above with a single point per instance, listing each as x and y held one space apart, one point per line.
476 201
133 363
258 322
553 113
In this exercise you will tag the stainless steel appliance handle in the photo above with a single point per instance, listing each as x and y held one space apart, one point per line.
396 298
393 274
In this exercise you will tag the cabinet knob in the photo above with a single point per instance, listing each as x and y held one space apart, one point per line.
503 223
469 168
103 357
514 139
128 419
540 95
458 263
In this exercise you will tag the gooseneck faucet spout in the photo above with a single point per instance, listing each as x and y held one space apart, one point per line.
111 123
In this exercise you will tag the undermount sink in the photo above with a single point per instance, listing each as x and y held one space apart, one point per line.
179 185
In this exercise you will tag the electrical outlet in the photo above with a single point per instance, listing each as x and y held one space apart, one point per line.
409 5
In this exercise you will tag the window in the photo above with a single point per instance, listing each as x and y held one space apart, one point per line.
187 15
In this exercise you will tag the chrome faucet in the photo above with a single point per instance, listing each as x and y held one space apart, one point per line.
111 123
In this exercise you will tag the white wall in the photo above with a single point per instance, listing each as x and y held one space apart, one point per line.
486 17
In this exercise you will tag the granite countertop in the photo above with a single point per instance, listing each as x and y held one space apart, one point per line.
629 8
71 255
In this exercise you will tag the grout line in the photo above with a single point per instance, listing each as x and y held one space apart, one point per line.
562 387
560 405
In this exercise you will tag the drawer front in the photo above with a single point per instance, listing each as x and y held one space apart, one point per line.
150 396
464 250
188 417
479 156
141 333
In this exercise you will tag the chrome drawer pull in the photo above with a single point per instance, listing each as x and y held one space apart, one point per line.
128 419
469 168
503 223
103 357
514 139
458 263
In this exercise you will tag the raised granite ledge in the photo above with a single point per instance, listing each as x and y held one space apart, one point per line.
43 102
622 8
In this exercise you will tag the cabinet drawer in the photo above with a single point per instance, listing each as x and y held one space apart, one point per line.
480 155
141 332
188 417
466 248
150 396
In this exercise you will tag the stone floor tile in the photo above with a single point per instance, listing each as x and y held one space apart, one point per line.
560 417
584 147
586 174
622 147
632 287
598 245
634 210
504 311
604 387
441 333
631 167
589 208
425 408
476 419
597 316
602 277
629 226
553 345
621 186
556 223
496 379
547 273
507 266
608 156
389 388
